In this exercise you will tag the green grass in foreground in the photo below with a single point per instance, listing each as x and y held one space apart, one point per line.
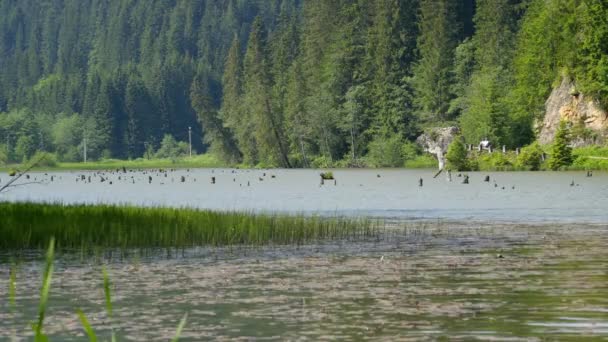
29 225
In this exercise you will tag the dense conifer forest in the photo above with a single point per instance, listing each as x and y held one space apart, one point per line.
287 83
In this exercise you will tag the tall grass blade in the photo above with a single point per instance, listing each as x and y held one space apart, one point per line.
180 327
107 291
91 227
87 326
108 295
44 291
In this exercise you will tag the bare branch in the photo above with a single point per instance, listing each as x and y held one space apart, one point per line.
20 174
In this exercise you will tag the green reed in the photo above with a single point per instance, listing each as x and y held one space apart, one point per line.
44 292
30 225
37 327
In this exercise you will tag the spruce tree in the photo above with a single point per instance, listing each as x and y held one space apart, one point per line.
267 123
561 152
457 156
437 41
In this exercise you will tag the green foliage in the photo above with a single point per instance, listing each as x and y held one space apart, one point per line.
386 152
44 291
67 134
25 147
280 83
171 149
425 161
410 151
437 42
590 158
496 161
3 155
593 67
530 157
457 156
561 152
327 175
322 162
44 159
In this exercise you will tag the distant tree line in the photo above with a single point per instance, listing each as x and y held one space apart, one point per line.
285 82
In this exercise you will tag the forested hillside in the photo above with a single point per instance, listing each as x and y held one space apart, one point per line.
285 82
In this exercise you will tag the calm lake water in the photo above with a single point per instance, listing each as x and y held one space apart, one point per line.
467 262
464 282
526 197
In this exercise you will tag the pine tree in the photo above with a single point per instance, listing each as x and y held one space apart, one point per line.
457 156
437 41
391 53
232 111
593 67
486 114
561 152
219 138
268 123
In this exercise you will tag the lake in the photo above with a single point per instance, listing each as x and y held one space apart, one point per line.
456 261
395 194
465 282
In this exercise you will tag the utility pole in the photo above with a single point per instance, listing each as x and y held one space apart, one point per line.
85 149
190 139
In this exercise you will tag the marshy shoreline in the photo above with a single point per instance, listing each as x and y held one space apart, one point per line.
32 225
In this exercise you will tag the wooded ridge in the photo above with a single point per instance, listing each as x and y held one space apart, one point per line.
288 83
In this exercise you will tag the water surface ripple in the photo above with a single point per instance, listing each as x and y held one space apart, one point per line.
509 196
421 282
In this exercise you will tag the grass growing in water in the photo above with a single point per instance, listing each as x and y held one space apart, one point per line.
44 292
29 225
44 296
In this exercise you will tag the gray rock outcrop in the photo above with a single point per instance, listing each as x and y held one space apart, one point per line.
437 140
566 103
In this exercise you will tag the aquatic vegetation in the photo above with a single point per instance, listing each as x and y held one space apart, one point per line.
29 225
44 292
327 175
44 297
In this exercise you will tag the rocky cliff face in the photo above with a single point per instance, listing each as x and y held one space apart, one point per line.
437 140
568 104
